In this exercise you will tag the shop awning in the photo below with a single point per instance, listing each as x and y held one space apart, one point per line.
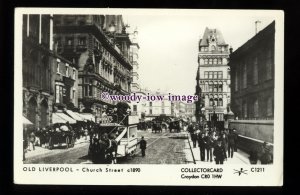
65 117
26 121
74 115
87 116
57 119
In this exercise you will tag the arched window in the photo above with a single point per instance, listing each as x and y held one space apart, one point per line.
213 48
215 88
210 61
220 102
211 102
205 61
216 101
220 88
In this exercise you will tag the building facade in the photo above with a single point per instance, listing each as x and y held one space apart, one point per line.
49 80
134 57
100 46
252 73
214 74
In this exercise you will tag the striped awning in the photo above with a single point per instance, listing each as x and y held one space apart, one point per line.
74 115
60 117
57 119
87 116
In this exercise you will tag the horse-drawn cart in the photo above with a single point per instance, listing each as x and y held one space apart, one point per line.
62 136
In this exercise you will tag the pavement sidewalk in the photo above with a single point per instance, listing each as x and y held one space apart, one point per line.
239 157
43 151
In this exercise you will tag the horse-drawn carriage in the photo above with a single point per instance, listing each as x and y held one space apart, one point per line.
62 135
174 126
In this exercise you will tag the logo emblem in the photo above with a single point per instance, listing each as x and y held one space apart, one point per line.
241 171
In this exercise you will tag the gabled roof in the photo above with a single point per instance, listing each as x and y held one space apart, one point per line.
216 32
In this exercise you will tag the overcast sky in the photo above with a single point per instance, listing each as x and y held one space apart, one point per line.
169 45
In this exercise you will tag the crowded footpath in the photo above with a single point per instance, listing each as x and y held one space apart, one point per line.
219 145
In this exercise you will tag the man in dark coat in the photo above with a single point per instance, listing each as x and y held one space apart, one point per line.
202 146
143 146
219 153
231 144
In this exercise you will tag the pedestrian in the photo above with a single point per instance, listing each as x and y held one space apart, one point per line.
231 144
209 146
143 146
224 141
32 140
235 137
202 146
219 153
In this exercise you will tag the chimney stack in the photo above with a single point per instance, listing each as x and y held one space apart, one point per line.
257 26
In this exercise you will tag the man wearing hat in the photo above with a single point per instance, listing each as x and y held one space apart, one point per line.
143 146
219 152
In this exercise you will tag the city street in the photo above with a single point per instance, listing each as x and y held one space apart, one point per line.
162 148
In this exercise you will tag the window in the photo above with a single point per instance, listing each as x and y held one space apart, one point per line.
215 75
270 106
150 111
215 61
134 108
269 65
57 66
219 60
205 48
210 88
215 88
163 111
220 102
58 93
205 74
220 74
210 61
74 74
216 101
255 71
220 88
211 102
205 61
245 75
150 104
69 41
213 48
210 75
73 95
255 108
82 41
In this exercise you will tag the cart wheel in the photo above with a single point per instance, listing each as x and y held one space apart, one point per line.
67 142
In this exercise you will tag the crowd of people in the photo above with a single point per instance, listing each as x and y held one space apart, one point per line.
218 144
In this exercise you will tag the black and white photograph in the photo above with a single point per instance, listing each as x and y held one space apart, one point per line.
120 91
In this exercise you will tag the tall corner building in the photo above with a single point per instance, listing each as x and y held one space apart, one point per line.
134 57
214 74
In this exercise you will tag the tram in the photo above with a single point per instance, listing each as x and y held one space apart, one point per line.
111 141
